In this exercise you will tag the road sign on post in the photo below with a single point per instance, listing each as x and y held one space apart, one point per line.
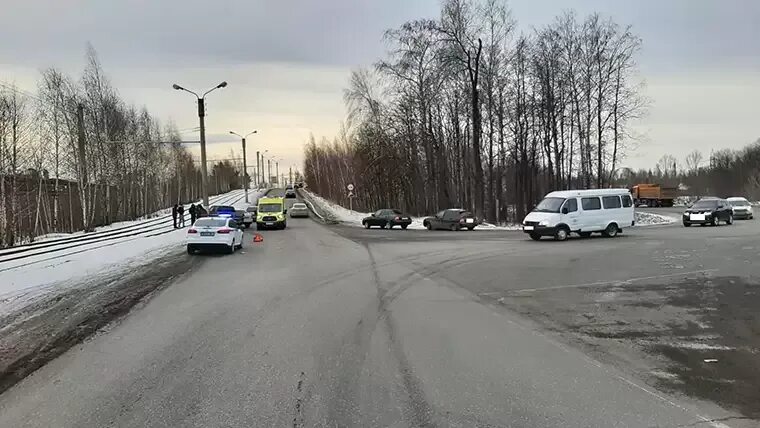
351 199
350 187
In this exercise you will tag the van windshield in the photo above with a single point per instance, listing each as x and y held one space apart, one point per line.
550 205
270 208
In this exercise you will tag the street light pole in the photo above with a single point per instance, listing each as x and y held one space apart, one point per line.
245 165
201 116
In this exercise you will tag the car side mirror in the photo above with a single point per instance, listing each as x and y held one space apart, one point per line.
284 211
564 210
372 215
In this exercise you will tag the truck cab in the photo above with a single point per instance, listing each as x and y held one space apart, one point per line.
270 214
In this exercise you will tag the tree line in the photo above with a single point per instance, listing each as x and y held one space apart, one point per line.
74 155
465 111
723 173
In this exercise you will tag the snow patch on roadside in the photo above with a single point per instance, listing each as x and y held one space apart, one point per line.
649 219
354 218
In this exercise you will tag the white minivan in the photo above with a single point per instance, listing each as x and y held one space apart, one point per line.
580 211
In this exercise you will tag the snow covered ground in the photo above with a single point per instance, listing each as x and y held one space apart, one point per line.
651 219
354 218
56 268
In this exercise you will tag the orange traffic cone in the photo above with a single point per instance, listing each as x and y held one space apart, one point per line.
258 238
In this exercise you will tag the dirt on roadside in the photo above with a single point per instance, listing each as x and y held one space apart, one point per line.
49 326
699 336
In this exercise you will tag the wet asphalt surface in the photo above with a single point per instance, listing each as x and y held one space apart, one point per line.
340 326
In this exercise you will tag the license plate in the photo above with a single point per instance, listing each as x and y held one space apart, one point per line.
469 220
207 233
527 227
269 223
700 217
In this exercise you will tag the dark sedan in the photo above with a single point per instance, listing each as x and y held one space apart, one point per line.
387 218
451 219
709 211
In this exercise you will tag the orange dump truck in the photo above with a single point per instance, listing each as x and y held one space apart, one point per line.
653 195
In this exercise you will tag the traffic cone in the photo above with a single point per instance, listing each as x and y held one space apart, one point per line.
258 238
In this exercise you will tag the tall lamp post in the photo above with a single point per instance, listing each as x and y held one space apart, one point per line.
245 165
201 115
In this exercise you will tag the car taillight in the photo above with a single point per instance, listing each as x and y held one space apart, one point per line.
192 231
461 220
224 231
397 218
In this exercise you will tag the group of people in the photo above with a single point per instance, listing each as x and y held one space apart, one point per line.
178 214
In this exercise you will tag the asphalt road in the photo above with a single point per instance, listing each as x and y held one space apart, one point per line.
340 326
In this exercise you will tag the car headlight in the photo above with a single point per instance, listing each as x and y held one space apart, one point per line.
543 223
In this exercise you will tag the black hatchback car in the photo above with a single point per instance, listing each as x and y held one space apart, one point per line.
709 211
451 219
387 219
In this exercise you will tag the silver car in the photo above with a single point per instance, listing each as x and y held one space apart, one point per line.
741 207
298 209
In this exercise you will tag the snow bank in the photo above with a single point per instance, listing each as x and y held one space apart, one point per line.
354 218
24 279
650 219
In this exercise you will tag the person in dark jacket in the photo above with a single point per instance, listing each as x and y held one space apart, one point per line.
181 214
191 210
174 215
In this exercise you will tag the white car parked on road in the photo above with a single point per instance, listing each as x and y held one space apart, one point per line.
580 211
214 232
741 207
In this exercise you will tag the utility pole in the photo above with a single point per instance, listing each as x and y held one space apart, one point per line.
269 169
201 115
258 182
204 169
245 174
277 171
290 175
245 164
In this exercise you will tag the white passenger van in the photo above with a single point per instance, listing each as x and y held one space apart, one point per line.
580 211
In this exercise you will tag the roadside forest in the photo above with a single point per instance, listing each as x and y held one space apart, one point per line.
75 155
467 110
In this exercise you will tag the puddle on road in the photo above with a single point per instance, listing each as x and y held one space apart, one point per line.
679 327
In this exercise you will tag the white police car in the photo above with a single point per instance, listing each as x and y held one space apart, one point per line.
220 232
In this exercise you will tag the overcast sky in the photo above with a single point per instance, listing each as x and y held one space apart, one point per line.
287 61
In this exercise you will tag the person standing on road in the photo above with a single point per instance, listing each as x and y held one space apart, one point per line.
191 210
174 215
181 214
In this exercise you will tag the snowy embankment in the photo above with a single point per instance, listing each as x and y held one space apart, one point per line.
54 265
354 218
57 292
651 219
341 214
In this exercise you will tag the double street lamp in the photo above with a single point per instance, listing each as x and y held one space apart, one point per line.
245 165
201 115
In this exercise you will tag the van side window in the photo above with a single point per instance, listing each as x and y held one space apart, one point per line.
590 204
571 205
611 202
627 201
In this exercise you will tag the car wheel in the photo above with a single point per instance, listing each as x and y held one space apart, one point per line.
428 226
561 234
190 250
730 219
366 225
230 249
535 236
471 228
454 227
715 221
584 234
404 226
686 224
611 231
389 225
